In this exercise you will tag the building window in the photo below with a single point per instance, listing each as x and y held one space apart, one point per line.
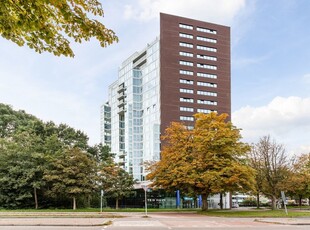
187 63
182 35
205 30
207 93
206 39
205 66
213 85
206 102
206 57
204 111
185 81
207 75
186 72
189 100
184 44
186 91
186 54
206 48
184 26
186 109
185 118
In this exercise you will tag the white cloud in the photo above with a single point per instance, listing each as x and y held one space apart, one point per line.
285 119
220 11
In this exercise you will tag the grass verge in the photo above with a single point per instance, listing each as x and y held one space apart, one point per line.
96 210
255 213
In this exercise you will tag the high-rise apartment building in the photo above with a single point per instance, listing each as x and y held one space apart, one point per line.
184 71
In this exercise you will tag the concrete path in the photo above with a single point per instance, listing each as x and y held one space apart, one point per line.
285 221
137 219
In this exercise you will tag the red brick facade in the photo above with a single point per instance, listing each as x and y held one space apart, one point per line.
212 37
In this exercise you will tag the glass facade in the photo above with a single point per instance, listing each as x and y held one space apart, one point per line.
134 105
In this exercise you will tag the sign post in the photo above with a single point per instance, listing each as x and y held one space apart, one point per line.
145 198
284 201
178 201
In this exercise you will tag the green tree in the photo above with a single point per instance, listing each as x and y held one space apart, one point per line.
27 143
273 167
207 160
102 154
71 137
116 182
11 120
47 25
298 183
21 171
71 173
257 163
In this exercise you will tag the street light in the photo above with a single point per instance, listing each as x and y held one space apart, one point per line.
145 198
101 196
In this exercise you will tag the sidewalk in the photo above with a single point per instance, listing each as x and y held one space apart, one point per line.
57 218
86 222
102 219
285 221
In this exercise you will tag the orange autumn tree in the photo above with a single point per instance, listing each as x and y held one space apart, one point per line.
207 160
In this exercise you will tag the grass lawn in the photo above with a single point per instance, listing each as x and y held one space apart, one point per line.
220 213
98 210
256 213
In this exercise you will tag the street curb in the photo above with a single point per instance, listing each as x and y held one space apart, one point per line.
57 215
280 223
107 223
56 225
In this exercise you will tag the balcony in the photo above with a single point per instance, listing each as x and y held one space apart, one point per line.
121 88
121 102
122 110
121 95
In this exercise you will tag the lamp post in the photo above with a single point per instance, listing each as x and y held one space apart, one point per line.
145 198
101 196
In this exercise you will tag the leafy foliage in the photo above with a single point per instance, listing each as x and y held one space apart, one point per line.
47 25
21 171
10 120
102 153
298 183
43 164
72 173
272 167
115 181
206 160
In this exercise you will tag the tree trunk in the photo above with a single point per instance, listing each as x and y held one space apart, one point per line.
74 203
257 200
116 203
204 202
299 200
221 200
88 201
273 203
35 198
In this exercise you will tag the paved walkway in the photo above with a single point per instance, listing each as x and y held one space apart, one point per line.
137 219
285 221
30 221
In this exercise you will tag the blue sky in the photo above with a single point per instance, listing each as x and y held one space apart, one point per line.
270 56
